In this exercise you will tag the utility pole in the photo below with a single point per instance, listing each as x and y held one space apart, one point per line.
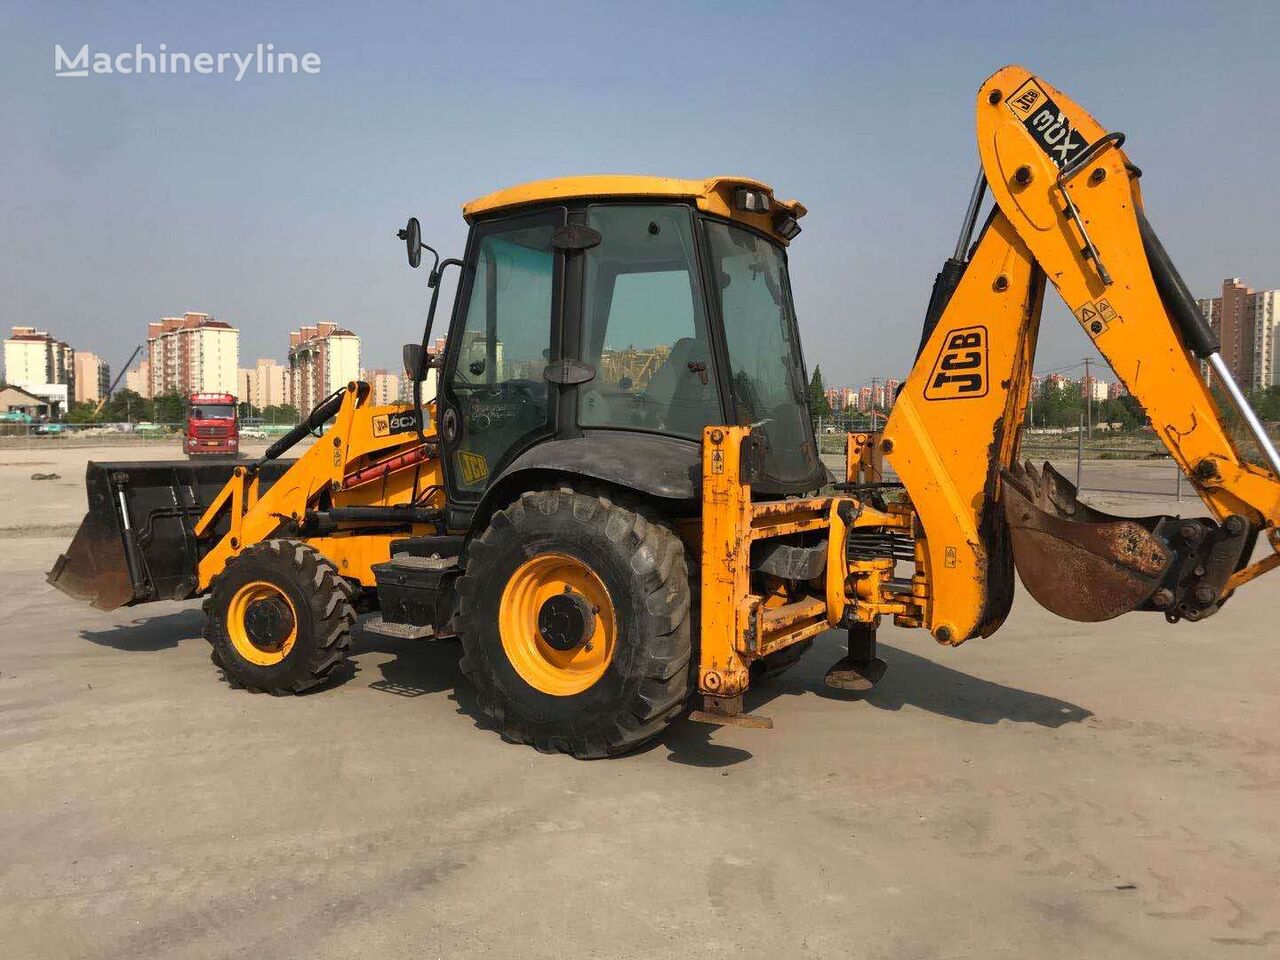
1088 399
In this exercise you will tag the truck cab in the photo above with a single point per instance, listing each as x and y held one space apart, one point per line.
213 429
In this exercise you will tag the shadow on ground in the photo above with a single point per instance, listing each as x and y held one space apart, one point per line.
916 681
419 667
160 632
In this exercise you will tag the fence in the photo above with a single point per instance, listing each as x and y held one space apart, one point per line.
14 435
1131 464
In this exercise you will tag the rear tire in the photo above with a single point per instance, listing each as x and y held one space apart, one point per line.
279 618
634 576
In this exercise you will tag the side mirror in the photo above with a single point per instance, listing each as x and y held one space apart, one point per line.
414 368
412 237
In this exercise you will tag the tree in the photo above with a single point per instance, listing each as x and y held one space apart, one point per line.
82 412
818 404
280 413
125 406
169 408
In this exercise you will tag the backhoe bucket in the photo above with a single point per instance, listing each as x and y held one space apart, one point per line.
137 542
1079 563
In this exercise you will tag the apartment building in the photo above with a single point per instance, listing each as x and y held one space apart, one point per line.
139 379
193 353
41 364
265 384
322 358
1245 321
92 377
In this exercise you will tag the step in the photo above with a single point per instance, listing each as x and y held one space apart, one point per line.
401 631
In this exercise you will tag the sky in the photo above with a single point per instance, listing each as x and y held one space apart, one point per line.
273 201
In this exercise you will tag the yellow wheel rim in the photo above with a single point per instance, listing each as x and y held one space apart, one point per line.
542 663
262 623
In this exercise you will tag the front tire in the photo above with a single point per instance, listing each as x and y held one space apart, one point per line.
574 615
279 618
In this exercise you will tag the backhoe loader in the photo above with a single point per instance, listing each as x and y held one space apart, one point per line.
615 500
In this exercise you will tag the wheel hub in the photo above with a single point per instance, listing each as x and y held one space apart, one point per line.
557 624
566 621
268 621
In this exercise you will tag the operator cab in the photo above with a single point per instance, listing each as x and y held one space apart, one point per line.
625 314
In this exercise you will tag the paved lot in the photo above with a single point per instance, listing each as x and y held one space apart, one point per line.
1059 790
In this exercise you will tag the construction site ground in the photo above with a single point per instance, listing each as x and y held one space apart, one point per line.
1058 790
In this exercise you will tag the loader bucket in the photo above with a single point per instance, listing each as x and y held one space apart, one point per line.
1077 562
137 541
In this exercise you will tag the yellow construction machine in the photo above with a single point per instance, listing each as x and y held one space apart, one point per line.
615 499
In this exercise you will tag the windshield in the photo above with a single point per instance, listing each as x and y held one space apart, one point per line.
214 411
766 370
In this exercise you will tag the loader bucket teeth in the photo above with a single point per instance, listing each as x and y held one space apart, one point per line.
94 568
1077 562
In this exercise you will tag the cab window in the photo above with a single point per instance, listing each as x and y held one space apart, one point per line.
645 324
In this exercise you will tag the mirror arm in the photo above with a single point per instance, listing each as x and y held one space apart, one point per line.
436 271
434 276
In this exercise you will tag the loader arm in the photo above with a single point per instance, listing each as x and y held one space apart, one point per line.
1067 207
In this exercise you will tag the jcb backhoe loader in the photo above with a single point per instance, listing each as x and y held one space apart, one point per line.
616 500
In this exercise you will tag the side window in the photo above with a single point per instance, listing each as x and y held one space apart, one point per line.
644 324
497 377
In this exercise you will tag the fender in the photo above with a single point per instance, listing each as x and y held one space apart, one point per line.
666 468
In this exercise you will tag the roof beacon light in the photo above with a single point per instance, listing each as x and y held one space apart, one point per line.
751 201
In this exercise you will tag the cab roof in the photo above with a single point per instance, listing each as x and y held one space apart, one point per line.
713 195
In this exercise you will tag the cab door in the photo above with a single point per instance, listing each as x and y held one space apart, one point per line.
496 398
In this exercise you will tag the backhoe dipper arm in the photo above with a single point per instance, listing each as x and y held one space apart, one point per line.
1069 208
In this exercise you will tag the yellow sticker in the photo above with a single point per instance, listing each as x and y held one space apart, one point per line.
382 425
1096 317
473 466
717 461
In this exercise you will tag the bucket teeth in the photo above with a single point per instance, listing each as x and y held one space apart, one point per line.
1078 562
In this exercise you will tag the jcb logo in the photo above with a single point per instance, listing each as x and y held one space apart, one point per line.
385 424
1026 101
961 368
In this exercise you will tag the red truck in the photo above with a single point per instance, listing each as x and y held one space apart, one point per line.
212 427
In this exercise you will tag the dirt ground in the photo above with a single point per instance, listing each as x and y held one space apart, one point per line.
1058 790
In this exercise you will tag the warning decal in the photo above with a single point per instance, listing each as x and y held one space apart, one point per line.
1048 125
1099 312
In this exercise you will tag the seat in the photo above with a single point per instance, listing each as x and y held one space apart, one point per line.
678 399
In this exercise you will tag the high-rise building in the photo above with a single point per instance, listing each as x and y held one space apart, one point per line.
263 385
385 386
193 353
322 358
1092 388
139 379
92 376
1245 321
40 364
1266 349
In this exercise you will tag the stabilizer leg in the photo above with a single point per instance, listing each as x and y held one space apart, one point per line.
860 668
